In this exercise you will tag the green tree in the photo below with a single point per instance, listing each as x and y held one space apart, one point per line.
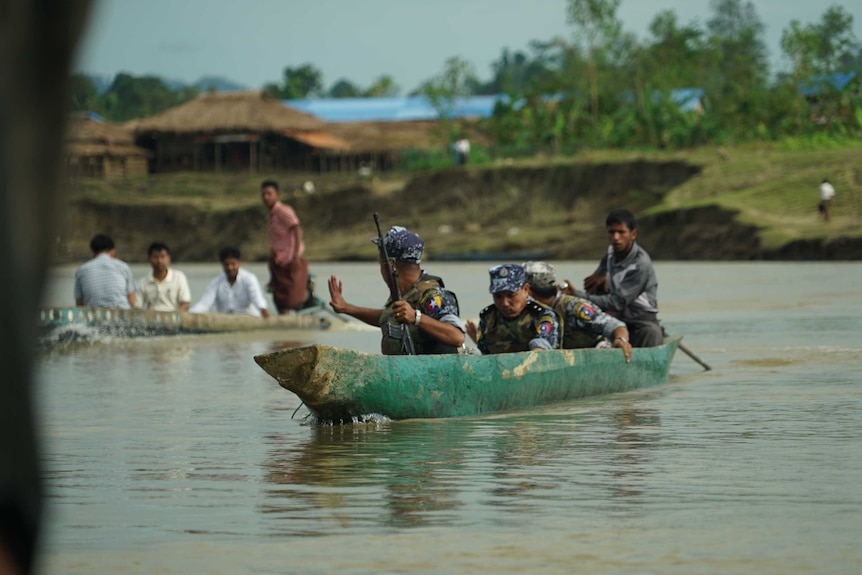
383 87
85 95
674 53
816 51
453 83
344 89
132 97
822 48
596 29
304 81
522 73
837 40
852 62
800 45
737 82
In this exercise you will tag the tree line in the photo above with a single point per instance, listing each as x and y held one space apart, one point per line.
604 87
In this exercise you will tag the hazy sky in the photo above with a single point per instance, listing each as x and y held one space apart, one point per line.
251 42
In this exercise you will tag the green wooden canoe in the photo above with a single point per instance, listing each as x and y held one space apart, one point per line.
342 385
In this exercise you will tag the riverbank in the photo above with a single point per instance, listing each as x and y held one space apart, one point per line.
753 202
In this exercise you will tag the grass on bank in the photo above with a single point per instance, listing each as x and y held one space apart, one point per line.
776 189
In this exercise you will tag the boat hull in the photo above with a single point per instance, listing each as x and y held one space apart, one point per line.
172 322
341 385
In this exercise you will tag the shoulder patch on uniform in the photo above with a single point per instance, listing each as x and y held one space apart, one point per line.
585 311
545 327
432 302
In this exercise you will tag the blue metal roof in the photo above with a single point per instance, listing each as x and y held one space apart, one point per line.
400 109
819 84
393 109
688 99
92 116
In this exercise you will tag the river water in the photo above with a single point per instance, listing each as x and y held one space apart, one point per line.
179 455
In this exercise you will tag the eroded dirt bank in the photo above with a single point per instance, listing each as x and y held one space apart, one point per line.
557 209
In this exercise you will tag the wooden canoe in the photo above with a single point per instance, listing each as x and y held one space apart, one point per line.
342 385
149 322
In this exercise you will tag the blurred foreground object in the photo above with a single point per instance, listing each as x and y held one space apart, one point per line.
37 42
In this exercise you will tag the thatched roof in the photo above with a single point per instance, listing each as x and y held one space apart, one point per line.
89 135
89 128
386 136
228 112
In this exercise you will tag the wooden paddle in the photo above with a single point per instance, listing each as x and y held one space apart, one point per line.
693 356
689 353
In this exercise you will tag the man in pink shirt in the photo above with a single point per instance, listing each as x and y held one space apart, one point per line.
288 270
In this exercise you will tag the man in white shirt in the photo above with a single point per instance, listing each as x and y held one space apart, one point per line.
827 192
234 291
165 289
462 150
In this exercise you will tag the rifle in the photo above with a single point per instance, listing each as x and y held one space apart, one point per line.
406 341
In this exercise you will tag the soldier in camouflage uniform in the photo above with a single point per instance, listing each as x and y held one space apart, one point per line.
426 308
584 323
514 322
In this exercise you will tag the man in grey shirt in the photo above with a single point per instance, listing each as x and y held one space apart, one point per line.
104 281
624 284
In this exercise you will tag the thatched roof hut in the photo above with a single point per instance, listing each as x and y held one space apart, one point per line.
97 148
235 130
229 112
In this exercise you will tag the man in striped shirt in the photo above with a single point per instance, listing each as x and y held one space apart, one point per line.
104 281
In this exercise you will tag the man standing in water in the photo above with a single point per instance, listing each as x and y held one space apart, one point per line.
624 285
426 308
288 270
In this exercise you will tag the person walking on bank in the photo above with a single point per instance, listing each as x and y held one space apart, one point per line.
427 309
288 269
583 322
165 289
624 284
827 192
515 321
234 291
104 281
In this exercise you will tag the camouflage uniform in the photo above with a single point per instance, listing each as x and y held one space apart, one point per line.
428 296
536 327
583 322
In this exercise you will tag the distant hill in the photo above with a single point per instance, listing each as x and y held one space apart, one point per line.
218 83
